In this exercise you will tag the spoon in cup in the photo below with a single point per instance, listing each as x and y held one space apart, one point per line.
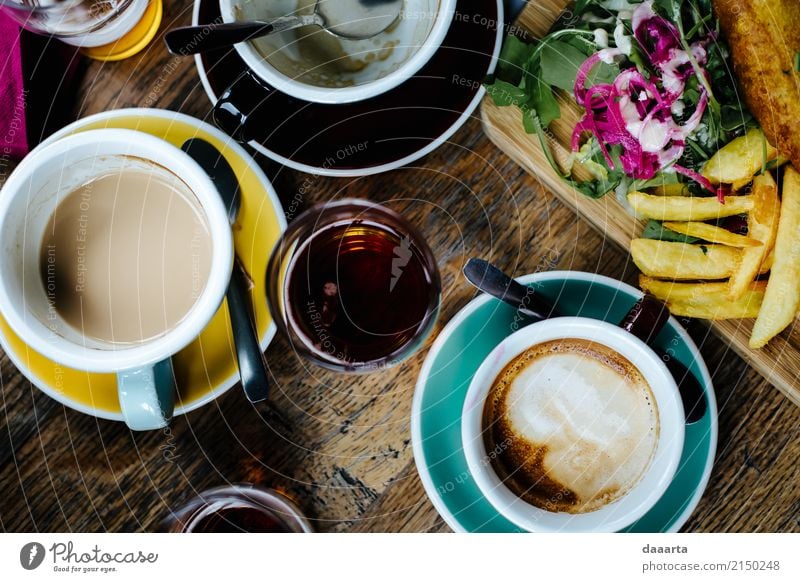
348 19
249 356
644 320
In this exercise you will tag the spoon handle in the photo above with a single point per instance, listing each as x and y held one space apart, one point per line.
190 40
252 369
646 319
489 279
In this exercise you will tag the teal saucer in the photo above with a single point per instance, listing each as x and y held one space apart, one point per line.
458 352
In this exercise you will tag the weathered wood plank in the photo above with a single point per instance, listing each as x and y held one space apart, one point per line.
338 444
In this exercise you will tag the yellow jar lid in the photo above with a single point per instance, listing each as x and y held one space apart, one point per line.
133 42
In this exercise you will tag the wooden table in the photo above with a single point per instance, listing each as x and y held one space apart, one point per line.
340 445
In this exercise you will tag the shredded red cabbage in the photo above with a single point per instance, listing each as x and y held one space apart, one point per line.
637 113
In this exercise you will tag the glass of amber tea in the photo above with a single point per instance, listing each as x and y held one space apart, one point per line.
238 508
353 286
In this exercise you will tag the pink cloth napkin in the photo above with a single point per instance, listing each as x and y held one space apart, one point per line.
13 129
38 88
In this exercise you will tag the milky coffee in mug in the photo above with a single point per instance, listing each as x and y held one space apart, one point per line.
115 254
126 255
570 425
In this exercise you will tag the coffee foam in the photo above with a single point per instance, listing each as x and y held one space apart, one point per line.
577 423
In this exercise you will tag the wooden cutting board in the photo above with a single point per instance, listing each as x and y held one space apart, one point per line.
778 362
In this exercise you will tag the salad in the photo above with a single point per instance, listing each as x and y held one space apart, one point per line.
661 122
655 83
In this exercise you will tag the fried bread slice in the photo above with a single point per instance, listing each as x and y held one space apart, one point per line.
764 38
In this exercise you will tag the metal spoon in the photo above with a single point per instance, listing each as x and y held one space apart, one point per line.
252 369
349 19
642 320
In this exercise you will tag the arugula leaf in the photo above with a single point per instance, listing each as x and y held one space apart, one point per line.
545 104
530 120
598 188
519 82
513 56
560 62
669 8
660 179
540 94
581 5
655 230
704 6
504 94
734 118
583 43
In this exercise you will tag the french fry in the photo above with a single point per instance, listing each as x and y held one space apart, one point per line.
673 291
705 300
675 260
766 266
713 234
762 225
688 208
782 296
670 190
737 162
736 186
718 308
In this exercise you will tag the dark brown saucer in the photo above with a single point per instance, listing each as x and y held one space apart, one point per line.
365 137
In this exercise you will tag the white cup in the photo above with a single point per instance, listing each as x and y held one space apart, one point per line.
29 197
393 56
643 495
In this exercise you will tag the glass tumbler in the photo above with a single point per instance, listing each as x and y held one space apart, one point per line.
353 286
238 508
82 23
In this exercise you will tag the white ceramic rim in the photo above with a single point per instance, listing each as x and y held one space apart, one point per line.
652 484
416 406
272 197
157 151
368 171
339 95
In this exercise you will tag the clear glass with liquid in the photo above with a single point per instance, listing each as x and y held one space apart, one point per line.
84 23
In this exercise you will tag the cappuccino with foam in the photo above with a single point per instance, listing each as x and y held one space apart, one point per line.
571 425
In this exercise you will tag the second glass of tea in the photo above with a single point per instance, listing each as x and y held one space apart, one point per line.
353 286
